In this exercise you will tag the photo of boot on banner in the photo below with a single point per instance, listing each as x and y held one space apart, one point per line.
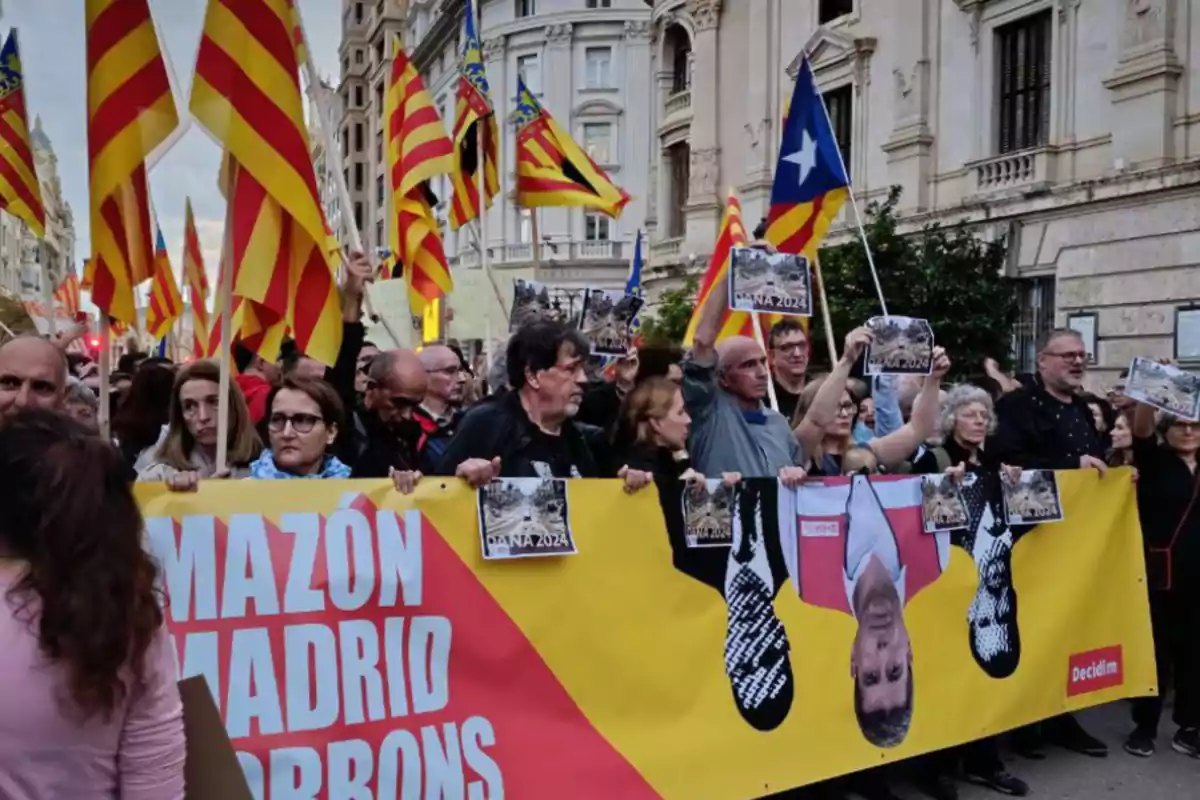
748 573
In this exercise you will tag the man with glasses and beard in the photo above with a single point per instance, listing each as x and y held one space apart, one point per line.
1050 426
386 437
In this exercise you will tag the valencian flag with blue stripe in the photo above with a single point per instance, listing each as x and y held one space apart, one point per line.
810 180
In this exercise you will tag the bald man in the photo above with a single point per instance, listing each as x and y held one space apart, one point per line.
33 374
386 434
439 415
724 386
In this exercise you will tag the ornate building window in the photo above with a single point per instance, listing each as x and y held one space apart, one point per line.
839 103
829 10
679 167
1023 60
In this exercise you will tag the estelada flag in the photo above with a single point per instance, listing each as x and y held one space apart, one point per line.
552 170
810 179
733 323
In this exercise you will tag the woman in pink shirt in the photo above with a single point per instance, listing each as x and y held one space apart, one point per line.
89 706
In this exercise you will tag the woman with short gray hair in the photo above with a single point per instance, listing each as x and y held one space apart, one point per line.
81 403
965 418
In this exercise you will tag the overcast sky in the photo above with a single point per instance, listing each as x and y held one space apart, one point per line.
52 51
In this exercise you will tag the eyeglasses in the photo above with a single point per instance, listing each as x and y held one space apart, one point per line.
846 409
449 372
402 403
1073 355
301 423
792 347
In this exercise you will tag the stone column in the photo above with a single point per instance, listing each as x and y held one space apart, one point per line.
761 130
1145 84
558 83
635 130
704 202
910 147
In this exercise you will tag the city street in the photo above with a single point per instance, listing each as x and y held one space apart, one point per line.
1066 776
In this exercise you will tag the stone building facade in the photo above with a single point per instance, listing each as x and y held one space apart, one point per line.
587 60
21 254
1072 128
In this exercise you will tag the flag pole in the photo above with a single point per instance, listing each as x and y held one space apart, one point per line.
225 304
862 233
825 312
325 127
481 179
755 322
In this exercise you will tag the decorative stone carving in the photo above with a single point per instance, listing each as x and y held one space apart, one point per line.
1144 22
705 172
705 13
756 133
909 89
559 34
493 49
637 29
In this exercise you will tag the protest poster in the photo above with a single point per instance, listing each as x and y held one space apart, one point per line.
899 346
358 643
1164 386
533 302
770 283
607 317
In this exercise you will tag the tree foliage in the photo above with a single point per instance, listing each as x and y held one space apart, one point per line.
671 314
944 274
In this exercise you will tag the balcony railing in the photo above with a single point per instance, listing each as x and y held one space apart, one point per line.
678 102
1022 169
558 252
667 248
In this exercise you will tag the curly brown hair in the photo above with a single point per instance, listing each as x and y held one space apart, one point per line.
88 589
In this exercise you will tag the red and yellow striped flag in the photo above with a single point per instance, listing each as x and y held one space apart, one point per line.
166 305
131 111
246 92
20 192
473 111
552 170
733 323
418 149
67 293
196 280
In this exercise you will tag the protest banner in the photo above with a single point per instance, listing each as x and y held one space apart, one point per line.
359 645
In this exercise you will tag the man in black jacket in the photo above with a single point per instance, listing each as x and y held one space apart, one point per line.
1049 426
529 431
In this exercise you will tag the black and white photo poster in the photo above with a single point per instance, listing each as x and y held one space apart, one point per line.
899 346
1032 497
525 518
1164 386
769 283
607 317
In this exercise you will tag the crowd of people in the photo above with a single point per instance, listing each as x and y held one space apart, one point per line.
81 633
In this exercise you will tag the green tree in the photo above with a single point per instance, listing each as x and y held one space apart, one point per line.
671 314
944 274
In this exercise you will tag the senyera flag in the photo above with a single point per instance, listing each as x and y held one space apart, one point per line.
20 191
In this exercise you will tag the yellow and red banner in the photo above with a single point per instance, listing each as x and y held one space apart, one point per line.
359 645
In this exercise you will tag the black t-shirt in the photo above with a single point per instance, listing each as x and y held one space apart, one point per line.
1076 427
550 456
787 401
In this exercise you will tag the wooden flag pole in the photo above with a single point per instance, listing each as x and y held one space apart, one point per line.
481 179
833 359
755 323
225 356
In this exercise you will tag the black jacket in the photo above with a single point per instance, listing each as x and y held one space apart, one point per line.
1169 508
378 449
502 428
1030 434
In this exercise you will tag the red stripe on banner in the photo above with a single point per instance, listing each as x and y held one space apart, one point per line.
112 25
19 145
263 24
9 172
126 103
226 77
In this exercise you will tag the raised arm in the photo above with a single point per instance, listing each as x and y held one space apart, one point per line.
704 343
1142 424
824 407
893 449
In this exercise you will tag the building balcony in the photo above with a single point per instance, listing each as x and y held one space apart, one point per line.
667 248
677 110
550 253
1023 170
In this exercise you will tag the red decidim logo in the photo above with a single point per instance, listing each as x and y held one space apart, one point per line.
1095 670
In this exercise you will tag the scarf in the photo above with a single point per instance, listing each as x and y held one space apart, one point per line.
264 469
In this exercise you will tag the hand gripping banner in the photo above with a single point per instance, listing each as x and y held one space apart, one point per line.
705 641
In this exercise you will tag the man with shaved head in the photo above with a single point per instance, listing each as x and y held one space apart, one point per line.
386 436
724 386
33 374
439 414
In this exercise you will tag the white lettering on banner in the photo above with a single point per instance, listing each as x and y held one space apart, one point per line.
1100 669
189 568
438 761
340 663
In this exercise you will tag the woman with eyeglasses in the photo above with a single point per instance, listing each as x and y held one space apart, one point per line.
303 419
825 415
188 450
1169 507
